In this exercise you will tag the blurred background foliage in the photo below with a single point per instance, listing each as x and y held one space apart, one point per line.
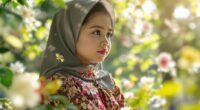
155 56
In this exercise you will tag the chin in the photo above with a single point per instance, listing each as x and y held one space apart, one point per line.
98 61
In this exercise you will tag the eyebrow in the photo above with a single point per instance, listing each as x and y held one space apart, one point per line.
97 26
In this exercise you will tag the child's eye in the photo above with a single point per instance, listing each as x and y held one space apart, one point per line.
109 35
97 33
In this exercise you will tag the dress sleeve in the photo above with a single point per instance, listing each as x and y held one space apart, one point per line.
119 97
72 90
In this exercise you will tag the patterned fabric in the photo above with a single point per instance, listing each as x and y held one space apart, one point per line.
86 95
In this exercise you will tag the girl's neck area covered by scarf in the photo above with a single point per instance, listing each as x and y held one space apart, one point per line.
60 53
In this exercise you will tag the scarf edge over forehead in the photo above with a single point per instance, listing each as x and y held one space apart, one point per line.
60 50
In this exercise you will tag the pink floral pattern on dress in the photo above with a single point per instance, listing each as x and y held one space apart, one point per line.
86 95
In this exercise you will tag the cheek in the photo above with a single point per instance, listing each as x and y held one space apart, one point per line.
91 43
88 45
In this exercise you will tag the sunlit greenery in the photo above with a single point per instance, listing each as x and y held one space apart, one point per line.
155 56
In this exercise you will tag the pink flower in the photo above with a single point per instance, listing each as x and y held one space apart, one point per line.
165 62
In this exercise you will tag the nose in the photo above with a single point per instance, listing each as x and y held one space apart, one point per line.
105 42
105 45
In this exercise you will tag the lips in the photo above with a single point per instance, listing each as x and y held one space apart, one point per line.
103 51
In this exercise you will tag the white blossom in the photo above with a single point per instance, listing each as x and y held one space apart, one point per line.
23 91
127 83
192 26
17 67
126 108
25 12
29 17
149 7
157 101
31 3
128 95
195 68
181 12
129 11
147 82
138 28
141 27
198 10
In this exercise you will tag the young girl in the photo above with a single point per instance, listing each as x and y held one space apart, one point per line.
79 41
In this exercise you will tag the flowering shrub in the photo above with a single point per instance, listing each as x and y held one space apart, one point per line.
155 56
20 90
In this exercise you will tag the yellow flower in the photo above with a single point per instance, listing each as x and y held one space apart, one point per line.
170 89
59 57
53 86
189 56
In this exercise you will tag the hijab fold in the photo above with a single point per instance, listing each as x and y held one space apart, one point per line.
60 52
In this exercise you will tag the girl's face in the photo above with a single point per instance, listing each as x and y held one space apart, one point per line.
94 41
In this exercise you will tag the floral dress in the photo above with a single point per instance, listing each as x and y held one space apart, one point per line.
89 96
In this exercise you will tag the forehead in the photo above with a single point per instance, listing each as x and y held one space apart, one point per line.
100 19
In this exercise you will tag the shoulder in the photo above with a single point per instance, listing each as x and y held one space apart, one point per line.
64 77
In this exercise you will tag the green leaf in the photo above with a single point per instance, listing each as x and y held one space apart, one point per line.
61 99
6 76
5 2
146 64
59 3
15 4
39 1
6 104
41 32
3 50
64 101
43 107
22 2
